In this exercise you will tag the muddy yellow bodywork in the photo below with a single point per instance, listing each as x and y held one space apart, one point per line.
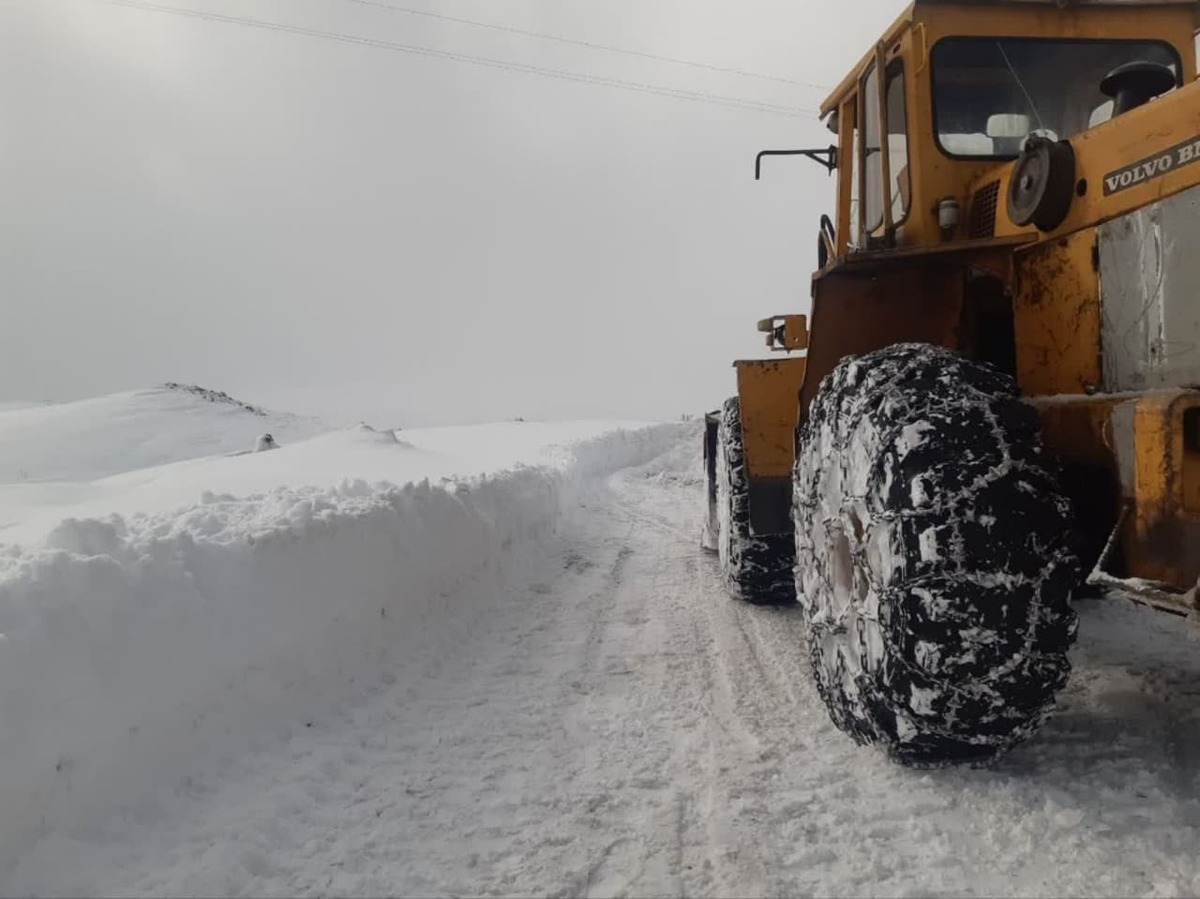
918 29
1096 317
769 391
1159 462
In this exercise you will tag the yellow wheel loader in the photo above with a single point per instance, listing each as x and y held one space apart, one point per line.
994 403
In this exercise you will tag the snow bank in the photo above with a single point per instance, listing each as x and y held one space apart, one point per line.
137 645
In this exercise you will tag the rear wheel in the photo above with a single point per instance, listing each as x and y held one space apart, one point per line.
757 567
708 533
933 560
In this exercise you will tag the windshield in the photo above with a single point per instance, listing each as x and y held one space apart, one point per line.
990 93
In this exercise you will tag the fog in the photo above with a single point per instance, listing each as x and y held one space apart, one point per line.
518 226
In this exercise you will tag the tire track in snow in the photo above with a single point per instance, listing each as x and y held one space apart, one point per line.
740 704
734 700
657 655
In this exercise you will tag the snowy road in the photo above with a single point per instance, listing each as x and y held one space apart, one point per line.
611 724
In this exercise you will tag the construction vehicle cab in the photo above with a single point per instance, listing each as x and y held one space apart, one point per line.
1015 200
964 86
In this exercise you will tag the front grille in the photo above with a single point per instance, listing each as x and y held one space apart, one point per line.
982 220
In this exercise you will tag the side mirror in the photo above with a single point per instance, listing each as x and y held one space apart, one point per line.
826 157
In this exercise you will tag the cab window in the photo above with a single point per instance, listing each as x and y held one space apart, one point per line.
874 192
897 118
989 94
872 173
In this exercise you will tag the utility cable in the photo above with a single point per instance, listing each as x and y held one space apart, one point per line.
635 86
589 44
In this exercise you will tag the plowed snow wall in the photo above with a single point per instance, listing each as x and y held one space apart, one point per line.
138 648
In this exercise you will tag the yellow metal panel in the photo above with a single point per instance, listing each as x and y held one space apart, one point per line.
936 176
785 332
1056 317
1155 551
1163 137
769 391
1157 454
1078 429
1172 21
911 300
1139 441
848 84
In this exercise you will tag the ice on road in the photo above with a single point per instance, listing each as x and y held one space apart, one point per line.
611 724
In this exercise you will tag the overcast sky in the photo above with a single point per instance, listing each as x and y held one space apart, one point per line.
353 230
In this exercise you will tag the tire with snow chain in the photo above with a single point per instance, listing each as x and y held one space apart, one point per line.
757 567
932 556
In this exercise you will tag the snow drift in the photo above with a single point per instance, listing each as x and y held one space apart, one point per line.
138 644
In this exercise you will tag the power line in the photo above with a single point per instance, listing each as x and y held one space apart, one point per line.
635 86
589 44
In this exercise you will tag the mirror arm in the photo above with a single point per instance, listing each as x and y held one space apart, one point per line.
826 157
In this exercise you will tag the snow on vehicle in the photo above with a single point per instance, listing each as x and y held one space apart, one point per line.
1001 389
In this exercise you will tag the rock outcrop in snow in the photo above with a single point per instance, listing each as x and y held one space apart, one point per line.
214 396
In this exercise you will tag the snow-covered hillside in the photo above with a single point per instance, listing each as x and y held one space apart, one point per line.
154 620
95 438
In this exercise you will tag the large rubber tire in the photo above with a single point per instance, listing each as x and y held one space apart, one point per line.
757 567
708 531
932 562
